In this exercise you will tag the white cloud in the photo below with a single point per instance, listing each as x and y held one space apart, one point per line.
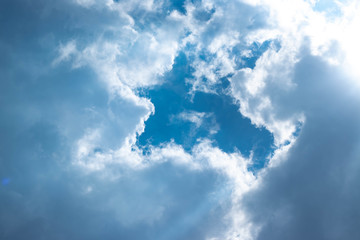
268 94
273 94
85 3
65 52
195 117
129 60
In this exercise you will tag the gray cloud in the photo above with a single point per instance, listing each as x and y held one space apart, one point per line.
315 193
45 109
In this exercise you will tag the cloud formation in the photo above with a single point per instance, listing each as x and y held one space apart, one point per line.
79 88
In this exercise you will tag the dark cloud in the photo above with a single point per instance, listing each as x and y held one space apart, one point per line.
315 193
48 199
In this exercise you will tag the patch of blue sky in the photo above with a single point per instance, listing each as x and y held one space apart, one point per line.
170 5
246 56
329 7
224 124
178 5
203 15
142 17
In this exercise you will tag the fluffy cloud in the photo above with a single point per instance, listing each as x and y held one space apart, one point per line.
291 68
302 86
311 194
283 92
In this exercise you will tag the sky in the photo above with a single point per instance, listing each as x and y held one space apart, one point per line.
179 120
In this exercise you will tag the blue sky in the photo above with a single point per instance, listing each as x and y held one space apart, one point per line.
162 119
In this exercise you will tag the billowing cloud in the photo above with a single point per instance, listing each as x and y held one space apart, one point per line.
179 119
312 194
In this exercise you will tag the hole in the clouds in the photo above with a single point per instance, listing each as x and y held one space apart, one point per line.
98 150
299 126
247 57
184 119
330 8
286 143
178 5
203 15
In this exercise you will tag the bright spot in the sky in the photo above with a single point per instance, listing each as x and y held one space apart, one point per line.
5 181
350 38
